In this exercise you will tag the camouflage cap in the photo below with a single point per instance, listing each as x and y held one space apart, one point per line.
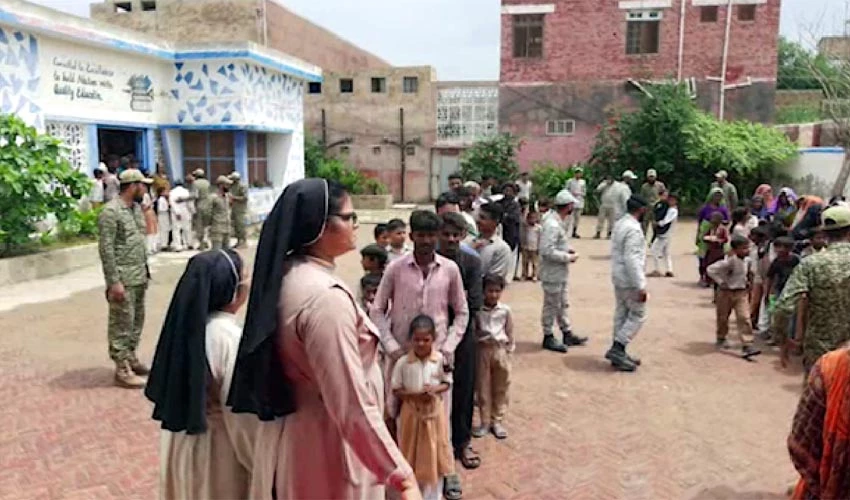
223 179
834 218
132 175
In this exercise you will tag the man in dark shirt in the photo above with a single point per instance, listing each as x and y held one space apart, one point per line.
451 234
511 222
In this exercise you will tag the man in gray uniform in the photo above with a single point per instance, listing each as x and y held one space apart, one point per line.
620 193
555 257
201 219
628 256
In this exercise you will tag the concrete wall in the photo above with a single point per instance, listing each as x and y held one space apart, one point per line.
240 20
368 117
785 98
815 170
295 35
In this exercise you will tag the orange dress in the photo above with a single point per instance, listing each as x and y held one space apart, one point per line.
820 437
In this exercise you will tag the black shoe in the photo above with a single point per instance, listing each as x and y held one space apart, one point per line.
550 343
576 236
620 360
748 352
598 236
633 359
571 339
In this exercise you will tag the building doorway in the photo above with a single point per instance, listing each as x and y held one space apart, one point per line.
125 145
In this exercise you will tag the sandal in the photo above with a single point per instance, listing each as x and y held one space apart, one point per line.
452 489
470 459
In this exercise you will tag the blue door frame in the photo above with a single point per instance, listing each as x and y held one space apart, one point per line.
144 144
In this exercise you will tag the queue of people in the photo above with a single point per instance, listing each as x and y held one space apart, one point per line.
380 394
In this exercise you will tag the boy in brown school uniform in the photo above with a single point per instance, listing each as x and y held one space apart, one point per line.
733 278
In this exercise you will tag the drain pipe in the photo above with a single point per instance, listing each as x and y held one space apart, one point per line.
681 40
725 62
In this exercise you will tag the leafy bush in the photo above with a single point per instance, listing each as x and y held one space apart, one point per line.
549 178
36 180
80 223
318 163
799 113
687 146
491 157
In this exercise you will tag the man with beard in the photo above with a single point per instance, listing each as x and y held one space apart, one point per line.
620 193
124 260
463 391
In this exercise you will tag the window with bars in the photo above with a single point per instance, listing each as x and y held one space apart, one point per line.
528 36
314 87
258 164
466 114
212 152
560 127
643 29
346 85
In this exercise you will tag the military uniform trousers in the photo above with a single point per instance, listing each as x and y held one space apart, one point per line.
237 222
494 379
220 241
126 320
555 305
605 214
629 314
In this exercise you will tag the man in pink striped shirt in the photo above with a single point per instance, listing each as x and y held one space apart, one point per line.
423 282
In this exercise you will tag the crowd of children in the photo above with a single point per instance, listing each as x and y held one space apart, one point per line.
749 257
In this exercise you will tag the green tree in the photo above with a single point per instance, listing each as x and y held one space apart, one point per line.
798 67
36 180
492 157
687 146
318 163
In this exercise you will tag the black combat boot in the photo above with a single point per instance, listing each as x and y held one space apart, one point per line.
550 343
619 359
571 339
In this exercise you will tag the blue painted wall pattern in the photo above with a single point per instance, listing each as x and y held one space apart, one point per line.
235 93
19 76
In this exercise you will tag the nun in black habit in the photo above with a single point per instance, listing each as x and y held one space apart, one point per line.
205 449
309 354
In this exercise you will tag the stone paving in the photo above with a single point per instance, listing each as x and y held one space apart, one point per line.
692 423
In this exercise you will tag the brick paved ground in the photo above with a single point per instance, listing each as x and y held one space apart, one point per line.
693 423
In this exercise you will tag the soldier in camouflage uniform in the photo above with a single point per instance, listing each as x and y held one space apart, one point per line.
824 279
201 219
238 209
124 259
220 214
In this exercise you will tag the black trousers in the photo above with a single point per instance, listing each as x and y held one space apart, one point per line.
463 392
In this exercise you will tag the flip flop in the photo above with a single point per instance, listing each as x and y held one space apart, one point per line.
470 459
452 489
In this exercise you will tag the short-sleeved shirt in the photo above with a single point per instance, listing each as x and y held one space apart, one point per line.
413 374
780 270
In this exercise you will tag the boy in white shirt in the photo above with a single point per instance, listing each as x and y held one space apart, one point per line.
182 207
666 215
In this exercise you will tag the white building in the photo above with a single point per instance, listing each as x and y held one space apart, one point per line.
110 91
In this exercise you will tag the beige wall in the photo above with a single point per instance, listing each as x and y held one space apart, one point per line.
241 20
369 117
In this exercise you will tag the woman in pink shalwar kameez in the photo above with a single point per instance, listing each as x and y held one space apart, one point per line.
309 354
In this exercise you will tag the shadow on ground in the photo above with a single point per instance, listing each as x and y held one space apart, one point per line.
725 492
85 378
588 364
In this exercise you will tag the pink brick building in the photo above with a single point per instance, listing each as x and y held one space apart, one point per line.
568 65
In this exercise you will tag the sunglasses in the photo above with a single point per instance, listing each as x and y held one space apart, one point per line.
350 216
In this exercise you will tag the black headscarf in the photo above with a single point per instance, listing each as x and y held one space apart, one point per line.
297 220
178 380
